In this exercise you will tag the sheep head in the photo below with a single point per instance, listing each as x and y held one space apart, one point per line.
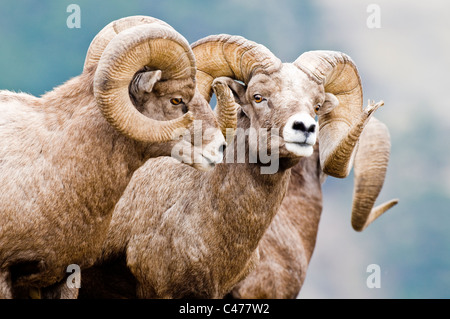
289 96
145 86
272 100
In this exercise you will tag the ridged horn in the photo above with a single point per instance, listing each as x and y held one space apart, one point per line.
110 31
157 47
370 165
340 129
226 109
230 56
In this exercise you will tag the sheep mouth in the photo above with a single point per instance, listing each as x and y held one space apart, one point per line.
301 144
205 163
209 161
302 149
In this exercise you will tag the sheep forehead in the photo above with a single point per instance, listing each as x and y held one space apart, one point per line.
183 88
202 110
298 84
287 87
264 84
289 77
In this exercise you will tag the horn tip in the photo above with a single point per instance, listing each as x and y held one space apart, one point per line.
372 106
374 214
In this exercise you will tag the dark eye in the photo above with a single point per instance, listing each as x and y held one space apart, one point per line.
176 101
258 98
317 108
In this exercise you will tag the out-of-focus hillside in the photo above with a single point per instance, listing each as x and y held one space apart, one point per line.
405 62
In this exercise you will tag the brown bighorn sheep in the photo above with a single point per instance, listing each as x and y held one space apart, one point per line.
287 246
198 236
67 157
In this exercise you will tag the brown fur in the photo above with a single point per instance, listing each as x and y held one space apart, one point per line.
198 235
287 246
193 234
289 242
62 170
196 245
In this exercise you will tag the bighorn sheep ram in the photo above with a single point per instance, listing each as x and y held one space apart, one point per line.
67 157
287 246
197 236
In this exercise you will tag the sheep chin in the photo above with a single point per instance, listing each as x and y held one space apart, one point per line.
300 149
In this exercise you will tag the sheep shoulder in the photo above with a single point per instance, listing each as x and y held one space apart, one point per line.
46 168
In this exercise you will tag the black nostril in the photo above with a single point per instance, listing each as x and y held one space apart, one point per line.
299 126
222 148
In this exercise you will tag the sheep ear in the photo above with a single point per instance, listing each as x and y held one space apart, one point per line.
239 89
145 81
330 103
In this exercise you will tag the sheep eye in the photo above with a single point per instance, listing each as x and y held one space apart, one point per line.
258 98
317 108
176 101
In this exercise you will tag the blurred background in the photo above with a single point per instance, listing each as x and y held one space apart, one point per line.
402 50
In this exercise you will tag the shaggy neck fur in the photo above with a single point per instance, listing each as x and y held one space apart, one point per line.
79 165
287 245
196 236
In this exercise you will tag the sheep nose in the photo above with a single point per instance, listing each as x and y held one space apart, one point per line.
300 126
222 148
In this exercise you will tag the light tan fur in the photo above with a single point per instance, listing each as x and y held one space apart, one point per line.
62 170
288 244
197 236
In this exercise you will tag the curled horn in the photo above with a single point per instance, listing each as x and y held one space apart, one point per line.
226 109
110 31
230 56
137 44
370 165
234 57
346 126
340 129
